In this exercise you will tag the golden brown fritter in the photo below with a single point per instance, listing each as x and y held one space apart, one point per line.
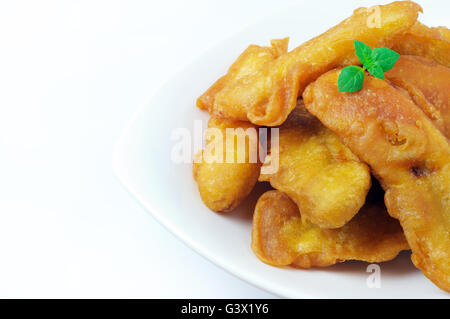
407 153
432 43
280 237
264 89
428 83
223 185
325 179
253 59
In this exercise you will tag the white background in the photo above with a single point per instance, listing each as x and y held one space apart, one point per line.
71 75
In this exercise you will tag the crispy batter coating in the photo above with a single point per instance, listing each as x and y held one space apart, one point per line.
251 61
224 185
324 178
263 86
407 153
432 43
428 83
280 237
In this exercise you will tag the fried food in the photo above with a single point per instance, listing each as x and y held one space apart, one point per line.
280 237
223 185
324 178
407 153
432 43
251 61
428 83
264 90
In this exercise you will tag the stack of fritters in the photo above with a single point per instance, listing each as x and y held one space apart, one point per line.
324 210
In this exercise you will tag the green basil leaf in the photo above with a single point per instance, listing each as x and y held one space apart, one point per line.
351 79
376 70
363 52
385 58
376 62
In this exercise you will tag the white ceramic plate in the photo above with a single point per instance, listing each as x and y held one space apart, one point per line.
142 161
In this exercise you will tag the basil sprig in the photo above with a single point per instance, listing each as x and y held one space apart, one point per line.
376 62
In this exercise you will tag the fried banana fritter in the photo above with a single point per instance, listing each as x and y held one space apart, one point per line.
324 178
280 237
432 43
407 153
264 89
223 185
428 83
251 61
